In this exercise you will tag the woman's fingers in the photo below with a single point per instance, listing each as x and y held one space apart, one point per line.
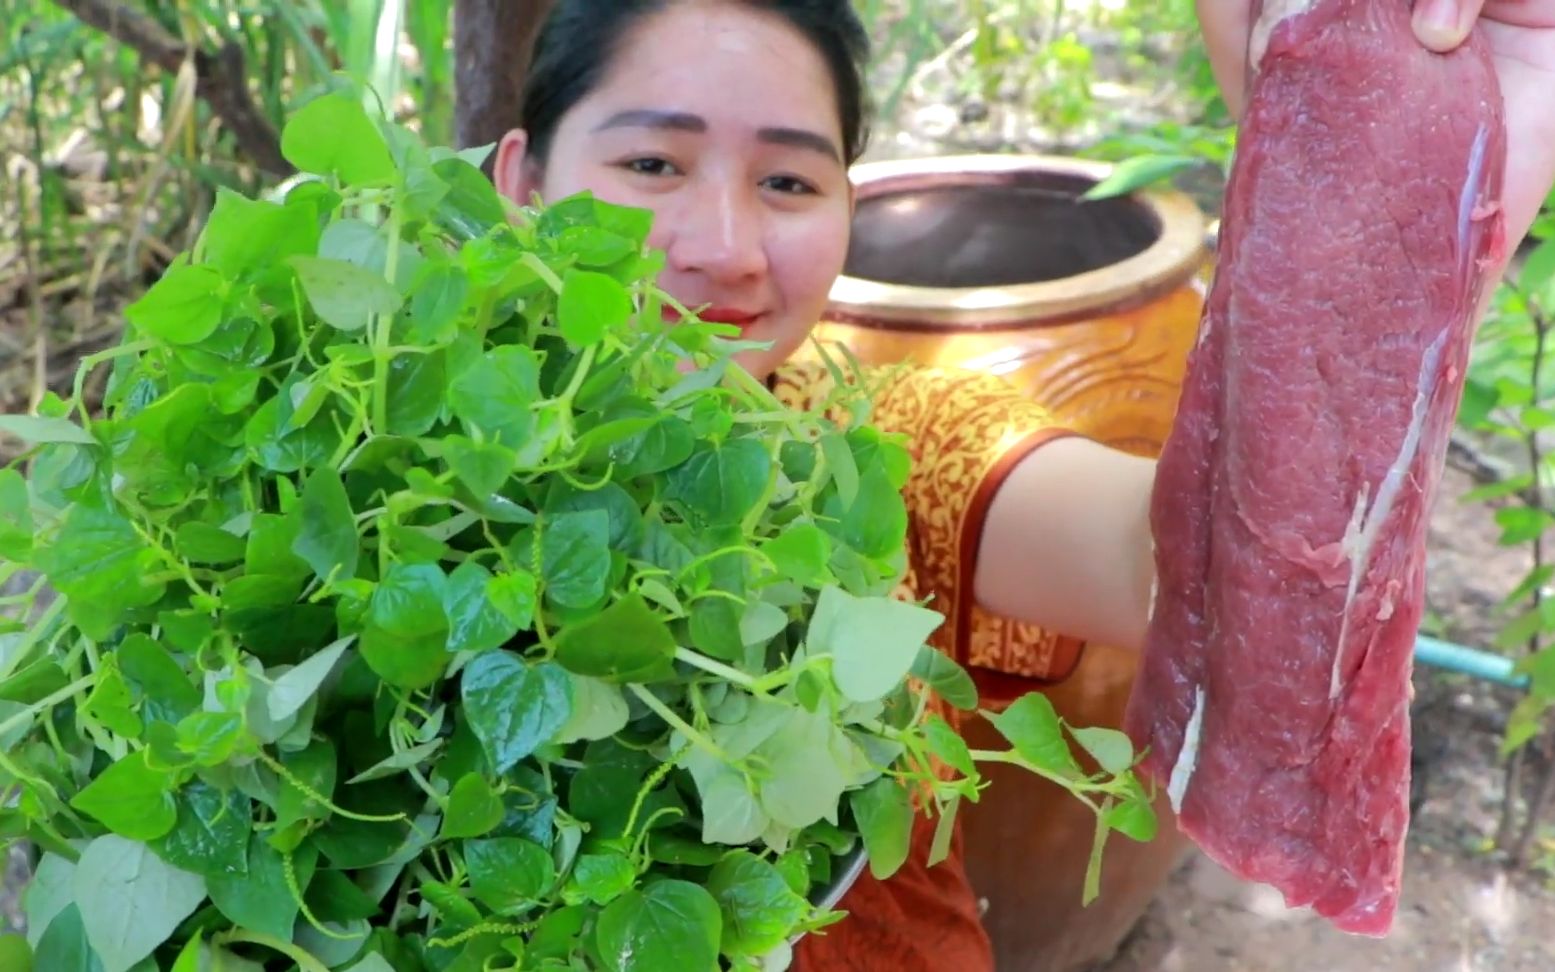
1226 25
1442 25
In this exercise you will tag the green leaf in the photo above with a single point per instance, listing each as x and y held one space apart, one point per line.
42 678
1032 726
344 295
944 832
211 836
626 642
801 554
112 705
49 892
165 689
941 673
63 946
475 623
16 527
514 594
760 911
720 485
416 383
873 641
292 690
473 809
260 899
15 954
184 306
205 543
731 812
436 301
508 874
514 707
327 538
669 926
843 466
1111 749
599 711
211 738
1138 172
494 393
100 564
600 878
1521 524
245 236
575 557
883 810
399 761
40 429
332 135
130 900
948 745
130 798
1135 819
316 767
483 466
406 634
1538 272
807 764
590 306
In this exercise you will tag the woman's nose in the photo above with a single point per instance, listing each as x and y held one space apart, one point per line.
719 233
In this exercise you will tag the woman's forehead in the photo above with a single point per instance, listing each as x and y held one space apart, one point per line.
720 62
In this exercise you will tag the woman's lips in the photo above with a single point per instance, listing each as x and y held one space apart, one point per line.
729 315
741 319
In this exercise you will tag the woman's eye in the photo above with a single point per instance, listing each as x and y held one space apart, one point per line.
788 185
650 166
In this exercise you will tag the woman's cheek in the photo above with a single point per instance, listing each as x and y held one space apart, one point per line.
807 258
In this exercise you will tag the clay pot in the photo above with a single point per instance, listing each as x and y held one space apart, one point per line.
992 262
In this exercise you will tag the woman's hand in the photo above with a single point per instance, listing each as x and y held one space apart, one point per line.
1521 34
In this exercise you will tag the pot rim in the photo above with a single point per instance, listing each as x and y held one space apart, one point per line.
831 894
1172 260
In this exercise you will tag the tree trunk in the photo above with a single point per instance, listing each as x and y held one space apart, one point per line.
492 40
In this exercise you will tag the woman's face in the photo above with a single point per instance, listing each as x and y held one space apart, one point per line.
723 121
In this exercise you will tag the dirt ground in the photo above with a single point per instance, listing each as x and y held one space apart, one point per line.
1460 911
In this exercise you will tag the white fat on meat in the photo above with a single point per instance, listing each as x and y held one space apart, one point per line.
1187 754
1365 525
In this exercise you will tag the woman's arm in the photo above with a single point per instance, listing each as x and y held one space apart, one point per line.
1066 543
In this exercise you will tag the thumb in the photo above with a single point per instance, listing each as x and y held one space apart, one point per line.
1441 25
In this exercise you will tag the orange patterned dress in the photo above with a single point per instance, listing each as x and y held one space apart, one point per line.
966 431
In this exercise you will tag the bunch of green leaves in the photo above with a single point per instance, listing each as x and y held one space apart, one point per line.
426 602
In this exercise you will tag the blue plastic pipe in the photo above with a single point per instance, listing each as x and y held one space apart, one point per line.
1468 661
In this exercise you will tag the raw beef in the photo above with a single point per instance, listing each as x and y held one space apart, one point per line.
1361 230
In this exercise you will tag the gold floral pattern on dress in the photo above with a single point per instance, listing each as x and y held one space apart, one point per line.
966 431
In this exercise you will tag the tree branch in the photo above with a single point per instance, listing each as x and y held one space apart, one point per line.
222 82
492 45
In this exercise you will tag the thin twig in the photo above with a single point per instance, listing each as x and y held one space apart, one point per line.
222 78
1514 767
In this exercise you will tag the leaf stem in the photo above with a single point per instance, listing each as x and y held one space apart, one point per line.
47 702
664 712
542 271
305 961
725 672
92 361
381 352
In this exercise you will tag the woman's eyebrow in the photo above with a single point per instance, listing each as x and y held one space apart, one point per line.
684 121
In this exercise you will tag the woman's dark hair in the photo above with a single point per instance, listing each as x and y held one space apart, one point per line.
577 41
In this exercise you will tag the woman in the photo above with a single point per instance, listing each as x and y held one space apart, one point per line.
735 121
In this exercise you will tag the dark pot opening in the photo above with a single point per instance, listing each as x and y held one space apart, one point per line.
992 229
